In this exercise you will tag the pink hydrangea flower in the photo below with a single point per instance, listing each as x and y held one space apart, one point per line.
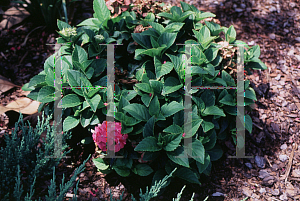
100 136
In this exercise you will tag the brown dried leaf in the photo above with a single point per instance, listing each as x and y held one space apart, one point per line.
6 85
23 105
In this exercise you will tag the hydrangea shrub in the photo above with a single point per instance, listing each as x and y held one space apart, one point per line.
149 95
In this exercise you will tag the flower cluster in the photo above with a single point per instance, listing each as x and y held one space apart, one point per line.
68 32
101 139
99 38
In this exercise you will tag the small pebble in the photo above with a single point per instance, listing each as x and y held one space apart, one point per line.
272 36
217 194
262 190
283 147
283 197
249 165
275 192
260 161
283 158
263 174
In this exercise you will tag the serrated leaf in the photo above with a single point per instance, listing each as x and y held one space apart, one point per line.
201 167
213 110
143 169
138 111
171 108
162 69
46 94
178 156
154 107
101 10
69 123
174 129
148 144
149 127
188 175
38 79
100 164
172 141
248 123
70 100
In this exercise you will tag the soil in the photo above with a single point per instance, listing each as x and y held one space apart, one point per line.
275 26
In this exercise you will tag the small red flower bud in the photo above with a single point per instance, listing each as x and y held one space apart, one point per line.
18 48
183 135
12 49
150 94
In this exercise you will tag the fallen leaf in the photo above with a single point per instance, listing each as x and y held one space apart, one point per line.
23 105
12 17
5 84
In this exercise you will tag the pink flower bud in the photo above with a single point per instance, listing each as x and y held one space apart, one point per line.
18 48
183 135
106 104
12 49
97 57
150 94
165 62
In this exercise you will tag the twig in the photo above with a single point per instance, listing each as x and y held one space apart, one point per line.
257 126
288 170
23 57
266 157
26 38
295 179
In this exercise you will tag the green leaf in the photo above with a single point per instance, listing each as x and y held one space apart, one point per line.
46 94
154 106
201 167
79 56
143 169
211 53
215 153
162 69
138 111
208 97
50 78
101 11
122 171
174 129
70 100
202 16
86 117
178 156
250 93
206 125
157 86
213 110
158 27
148 144
145 87
89 22
196 150
230 34
38 79
150 52
142 40
77 79
62 25
188 175
100 163
228 100
171 85
167 38
149 127
146 98
248 123
228 79
69 123
172 141
93 102
171 108
256 65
